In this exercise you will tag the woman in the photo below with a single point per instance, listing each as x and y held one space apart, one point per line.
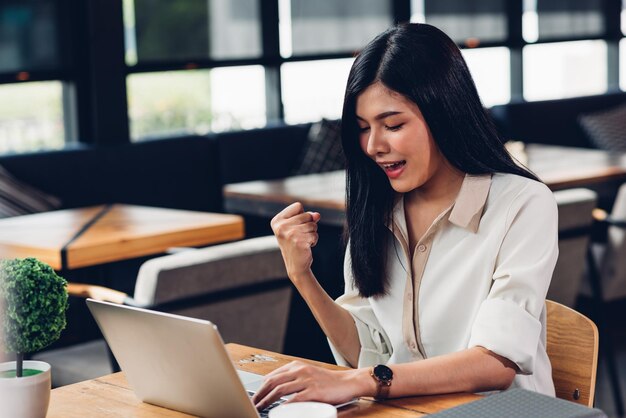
451 244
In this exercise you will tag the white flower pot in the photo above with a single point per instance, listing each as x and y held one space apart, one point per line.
25 397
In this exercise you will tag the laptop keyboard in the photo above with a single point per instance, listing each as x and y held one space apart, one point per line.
265 413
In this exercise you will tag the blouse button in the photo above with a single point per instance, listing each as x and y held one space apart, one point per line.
421 248
413 346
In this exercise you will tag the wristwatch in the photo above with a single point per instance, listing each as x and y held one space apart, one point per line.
383 376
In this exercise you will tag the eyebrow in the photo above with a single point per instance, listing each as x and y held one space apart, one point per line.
381 116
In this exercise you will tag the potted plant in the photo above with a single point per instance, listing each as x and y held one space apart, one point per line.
33 301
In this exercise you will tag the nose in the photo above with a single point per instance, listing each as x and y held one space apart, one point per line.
376 143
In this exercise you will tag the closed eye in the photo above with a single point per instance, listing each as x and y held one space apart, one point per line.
394 128
364 128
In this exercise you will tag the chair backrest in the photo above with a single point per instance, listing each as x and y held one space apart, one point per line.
572 345
575 220
242 287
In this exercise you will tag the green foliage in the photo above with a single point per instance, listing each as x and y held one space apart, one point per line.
172 30
34 299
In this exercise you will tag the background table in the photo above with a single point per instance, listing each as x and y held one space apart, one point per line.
567 167
111 233
559 167
111 396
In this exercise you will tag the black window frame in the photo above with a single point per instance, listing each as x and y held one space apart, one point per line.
94 70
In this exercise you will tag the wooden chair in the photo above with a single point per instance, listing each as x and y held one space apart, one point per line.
572 345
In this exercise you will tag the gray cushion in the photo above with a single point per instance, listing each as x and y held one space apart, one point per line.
323 150
606 129
257 317
19 198
575 206
210 269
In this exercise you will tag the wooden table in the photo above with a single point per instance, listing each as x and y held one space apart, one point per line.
559 167
110 396
568 167
73 238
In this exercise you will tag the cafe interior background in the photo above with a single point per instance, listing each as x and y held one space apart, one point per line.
105 101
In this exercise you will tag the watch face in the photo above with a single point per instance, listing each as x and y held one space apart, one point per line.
383 373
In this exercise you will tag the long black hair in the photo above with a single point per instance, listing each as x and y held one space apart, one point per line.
424 65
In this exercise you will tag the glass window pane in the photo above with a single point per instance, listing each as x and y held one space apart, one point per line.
565 69
29 38
314 90
491 69
322 26
624 17
31 116
463 20
417 11
237 98
622 64
546 19
169 30
174 103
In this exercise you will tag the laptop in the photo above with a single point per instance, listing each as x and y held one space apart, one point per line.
177 362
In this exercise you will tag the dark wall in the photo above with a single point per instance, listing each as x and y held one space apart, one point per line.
185 173
178 173
260 154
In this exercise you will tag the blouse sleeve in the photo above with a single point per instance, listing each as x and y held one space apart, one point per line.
508 321
375 346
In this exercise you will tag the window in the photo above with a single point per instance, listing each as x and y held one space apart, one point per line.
237 98
31 113
323 26
622 64
490 68
313 90
196 66
624 17
31 116
549 19
175 103
29 37
198 99
565 69
187 30
465 21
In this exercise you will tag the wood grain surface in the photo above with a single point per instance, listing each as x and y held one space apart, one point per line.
572 345
110 396
124 232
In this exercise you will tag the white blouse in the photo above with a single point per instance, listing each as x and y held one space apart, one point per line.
479 277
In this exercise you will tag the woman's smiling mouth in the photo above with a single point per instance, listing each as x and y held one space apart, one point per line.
393 169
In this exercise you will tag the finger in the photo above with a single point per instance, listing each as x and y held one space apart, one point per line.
290 231
268 387
315 216
277 377
301 218
306 228
281 226
302 396
314 240
291 210
280 391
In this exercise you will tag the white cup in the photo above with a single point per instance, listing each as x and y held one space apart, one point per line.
304 410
